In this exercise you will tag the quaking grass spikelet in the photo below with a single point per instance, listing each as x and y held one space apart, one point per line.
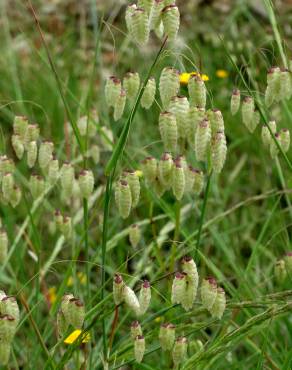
247 112
66 227
9 306
171 21
168 131
124 198
235 101
155 16
179 350
128 18
165 168
76 313
208 292
199 181
17 145
118 289
168 85
202 140
140 26
113 89
197 91
32 133
216 121
20 124
67 178
273 86
3 245
139 348
218 151
144 297
120 105
179 106
53 170
178 180
86 183
195 116
7 186
274 150
284 139
148 96
266 136
280 271
131 300
285 84
135 329
219 305
167 336
146 4
32 153
150 168
45 154
131 84
15 197
133 180
178 287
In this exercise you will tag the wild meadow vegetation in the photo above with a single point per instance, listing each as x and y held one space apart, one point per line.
145 178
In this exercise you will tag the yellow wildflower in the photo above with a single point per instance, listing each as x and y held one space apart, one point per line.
221 73
185 76
80 275
52 296
157 319
75 335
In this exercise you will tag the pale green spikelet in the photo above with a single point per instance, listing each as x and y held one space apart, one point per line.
195 116
168 131
148 96
65 306
150 168
53 170
198 182
5 349
113 89
247 111
146 4
179 350
197 91
288 263
128 18
171 21
168 2
118 289
66 227
6 166
32 153
140 26
20 127
124 199
167 336
155 15
17 145
280 271
133 180
190 174
216 121
62 324
32 133
218 151
266 136
178 287
76 311
139 348
3 245
178 180
190 268
7 186
219 305
202 140
131 300
135 329
179 106
165 167
284 139
131 84
134 235
45 154
144 297
86 183
274 150
273 86
285 84
9 306
235 101
15 197
120 105
208 292
168 85
7 327
67 178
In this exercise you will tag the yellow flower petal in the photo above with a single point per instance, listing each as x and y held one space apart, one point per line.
221 73
139 173
52 294
185 76
74 336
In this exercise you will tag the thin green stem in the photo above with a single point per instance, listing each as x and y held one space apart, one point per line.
203 211
176 234
86 244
